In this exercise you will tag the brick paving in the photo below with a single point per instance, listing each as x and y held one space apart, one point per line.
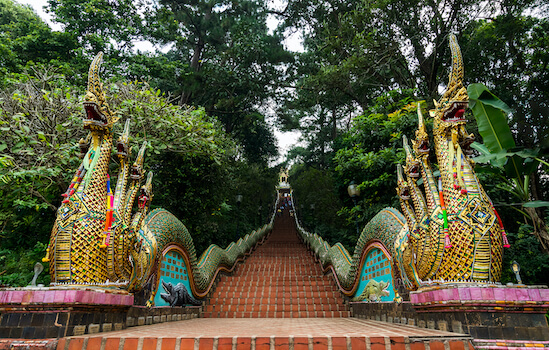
279 280
272 333
278 327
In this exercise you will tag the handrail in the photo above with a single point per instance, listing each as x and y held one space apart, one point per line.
215 259
346 267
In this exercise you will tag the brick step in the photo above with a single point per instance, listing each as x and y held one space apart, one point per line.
287 272
233 284
256 277
280 276
279 279
244 299
272 284
273 298
275 282
319 304
263 343
277 288
274 308
287 290
276 314
257 294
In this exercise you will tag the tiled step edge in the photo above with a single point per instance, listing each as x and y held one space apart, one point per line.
502 344
267 343
39 344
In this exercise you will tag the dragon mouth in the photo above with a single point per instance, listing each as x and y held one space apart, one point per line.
413 170
94 118
143 199
136 172
404 193
423 146
466 145
121 149
454 114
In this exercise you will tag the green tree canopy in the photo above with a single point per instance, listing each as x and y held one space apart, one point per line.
26 40
221 56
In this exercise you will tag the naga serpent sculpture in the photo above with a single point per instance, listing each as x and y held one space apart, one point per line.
449 232
97 241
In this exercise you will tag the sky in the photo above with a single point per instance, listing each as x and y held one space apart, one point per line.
293 43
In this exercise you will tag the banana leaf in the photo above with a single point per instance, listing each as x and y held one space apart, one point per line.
490 113
536 204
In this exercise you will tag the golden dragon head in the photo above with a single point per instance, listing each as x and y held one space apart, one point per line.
99 116
143 242
449 110
123 150
403 188
421 143
413 167
137 167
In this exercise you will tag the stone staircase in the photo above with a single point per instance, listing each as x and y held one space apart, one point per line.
279 280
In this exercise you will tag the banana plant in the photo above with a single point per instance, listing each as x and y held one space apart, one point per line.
499 149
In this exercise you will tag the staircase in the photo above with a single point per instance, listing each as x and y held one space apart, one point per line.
279 280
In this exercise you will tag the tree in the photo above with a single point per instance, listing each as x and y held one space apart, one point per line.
509 55
222 56
233 64
317 203
25 40
100 25
370 151
356 51
41 126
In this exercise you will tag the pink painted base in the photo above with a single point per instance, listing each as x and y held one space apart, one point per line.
492 294
55 295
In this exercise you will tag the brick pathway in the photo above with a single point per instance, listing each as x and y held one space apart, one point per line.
279 279
269 333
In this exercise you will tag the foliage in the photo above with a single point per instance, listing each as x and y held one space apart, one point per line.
220 56
100 25
358 50
40 123
317 187
17 266
516 166
367 154
25 40
370 151
509 55
525 249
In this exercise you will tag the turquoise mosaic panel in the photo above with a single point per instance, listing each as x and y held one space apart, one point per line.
172 270
376 268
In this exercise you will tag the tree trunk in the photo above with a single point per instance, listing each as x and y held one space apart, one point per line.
197 55
540 229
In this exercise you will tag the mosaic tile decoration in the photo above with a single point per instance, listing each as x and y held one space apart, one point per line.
377 267
172 270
